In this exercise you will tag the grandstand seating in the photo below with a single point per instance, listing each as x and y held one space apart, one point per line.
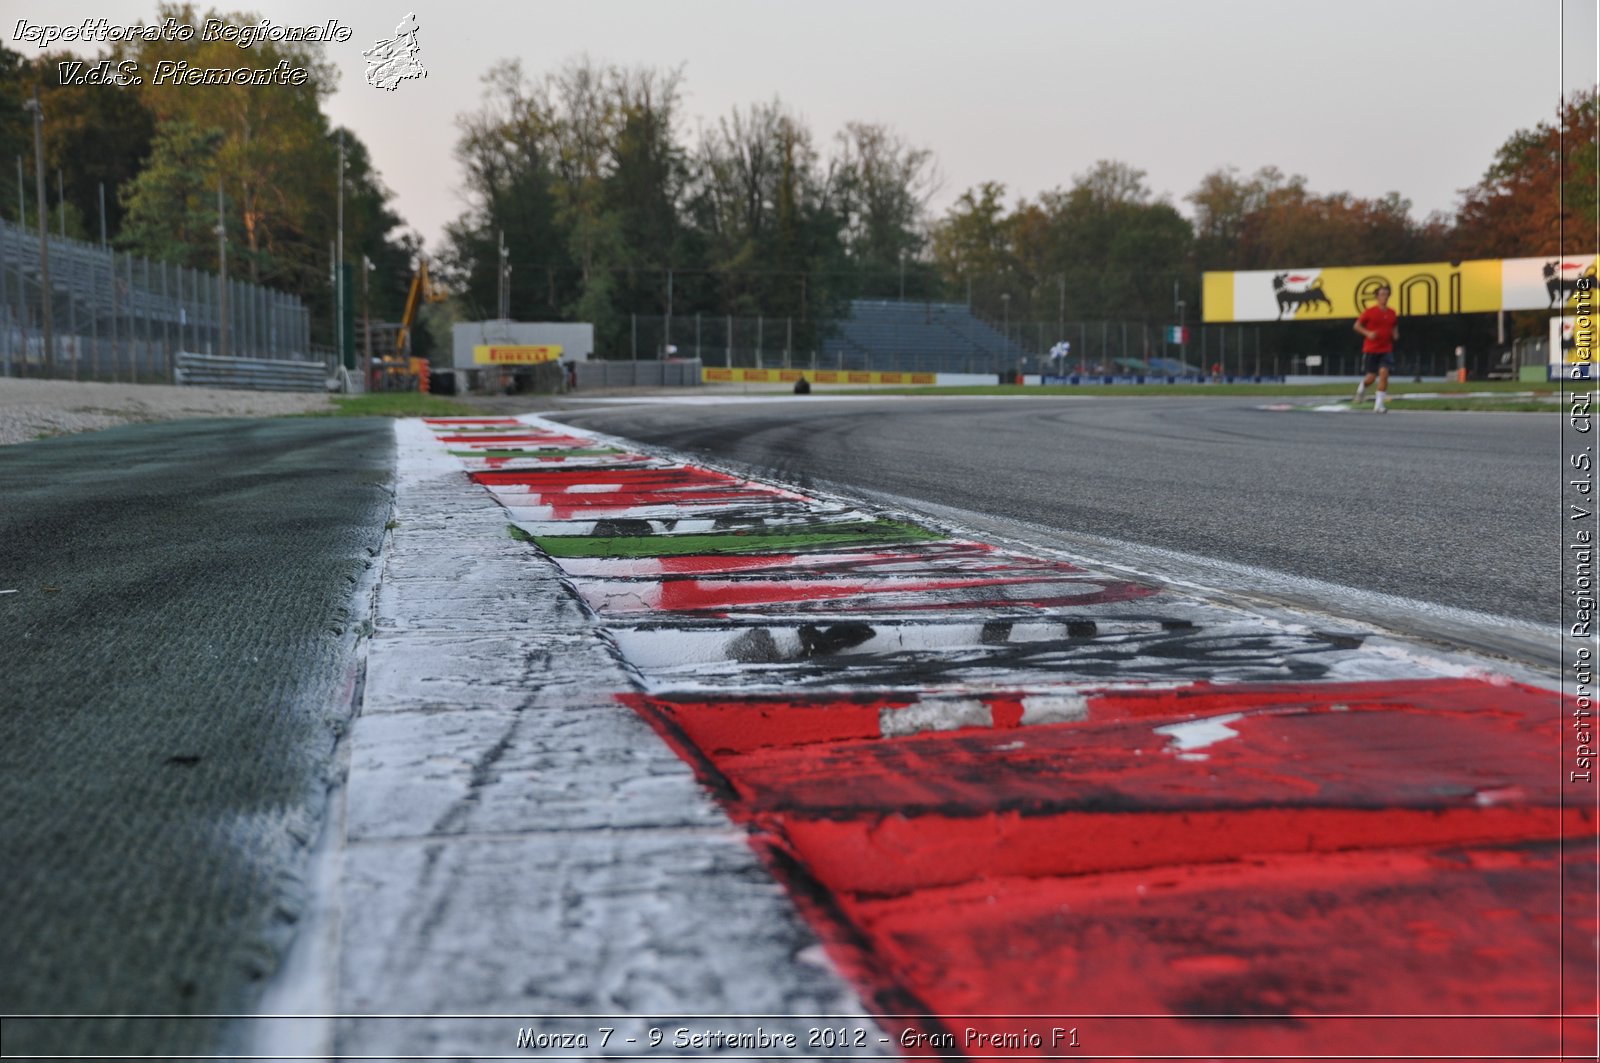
918 337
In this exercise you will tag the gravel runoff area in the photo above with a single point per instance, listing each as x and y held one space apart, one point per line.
38 409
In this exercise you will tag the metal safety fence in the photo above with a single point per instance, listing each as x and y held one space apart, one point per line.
112 316
892 336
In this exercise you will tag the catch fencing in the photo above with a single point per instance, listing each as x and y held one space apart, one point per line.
122 317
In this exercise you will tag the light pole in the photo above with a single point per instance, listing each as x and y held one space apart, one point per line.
1183 339
1005 319
222 274
366 306
505 279
47 315
346 357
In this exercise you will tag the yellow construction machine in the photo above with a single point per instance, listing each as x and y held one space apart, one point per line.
400 370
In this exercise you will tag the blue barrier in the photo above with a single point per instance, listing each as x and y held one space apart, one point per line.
1155 378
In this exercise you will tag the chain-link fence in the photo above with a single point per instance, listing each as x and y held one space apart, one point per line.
893 336
115 316
724 340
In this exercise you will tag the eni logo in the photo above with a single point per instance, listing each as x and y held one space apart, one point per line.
1418 293
1294 292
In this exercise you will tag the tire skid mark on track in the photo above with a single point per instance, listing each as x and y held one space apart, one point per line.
1003 785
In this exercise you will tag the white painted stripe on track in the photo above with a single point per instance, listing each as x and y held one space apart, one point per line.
1524 651
1397 631
517 842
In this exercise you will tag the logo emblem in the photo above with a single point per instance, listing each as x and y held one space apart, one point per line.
392 61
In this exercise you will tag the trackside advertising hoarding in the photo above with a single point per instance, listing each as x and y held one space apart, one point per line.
515 354
815 376
1329 293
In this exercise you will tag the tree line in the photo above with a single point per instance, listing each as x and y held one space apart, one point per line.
156 157
608 205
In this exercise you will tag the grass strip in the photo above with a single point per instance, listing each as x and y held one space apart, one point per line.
870 533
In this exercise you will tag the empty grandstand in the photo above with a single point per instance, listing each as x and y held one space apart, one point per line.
918 337
115 316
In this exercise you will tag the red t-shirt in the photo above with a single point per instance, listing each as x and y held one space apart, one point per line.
1380 321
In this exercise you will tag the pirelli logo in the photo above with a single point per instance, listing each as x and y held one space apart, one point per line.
515 354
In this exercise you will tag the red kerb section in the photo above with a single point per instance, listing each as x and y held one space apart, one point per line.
1276 871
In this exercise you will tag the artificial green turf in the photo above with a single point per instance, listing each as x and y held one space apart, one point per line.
761 541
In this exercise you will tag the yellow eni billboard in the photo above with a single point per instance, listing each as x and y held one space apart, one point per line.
1329 293
515 354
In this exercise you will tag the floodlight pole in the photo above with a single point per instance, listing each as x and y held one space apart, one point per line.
47 315
1183 337
222 274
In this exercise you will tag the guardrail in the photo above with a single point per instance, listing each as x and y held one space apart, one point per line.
249 374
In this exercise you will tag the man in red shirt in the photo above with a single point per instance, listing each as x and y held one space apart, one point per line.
1379 325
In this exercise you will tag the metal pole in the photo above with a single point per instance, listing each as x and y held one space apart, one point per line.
1005 335
503 289
61 203
149 319
167 324
1183 333
222 283
5 340
366 306
760 330
729 337
634 318
22 202
666 341
116 328
133 318
102 215
338 266
1061 310
46 296
72 302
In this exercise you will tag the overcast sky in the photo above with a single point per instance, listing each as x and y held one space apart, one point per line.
1411 96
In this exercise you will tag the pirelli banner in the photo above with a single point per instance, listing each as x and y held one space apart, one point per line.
515 354
816 376
1329 293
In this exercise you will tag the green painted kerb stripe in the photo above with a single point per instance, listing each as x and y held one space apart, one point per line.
880 532
589 452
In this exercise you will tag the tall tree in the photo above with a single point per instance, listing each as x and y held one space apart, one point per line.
1538 195
972 242
274 149
884 184
171 206
16 125
505 151
765 205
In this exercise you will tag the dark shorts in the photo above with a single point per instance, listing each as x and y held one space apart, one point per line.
1374 362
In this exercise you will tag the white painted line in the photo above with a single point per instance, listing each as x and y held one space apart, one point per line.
1533 648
